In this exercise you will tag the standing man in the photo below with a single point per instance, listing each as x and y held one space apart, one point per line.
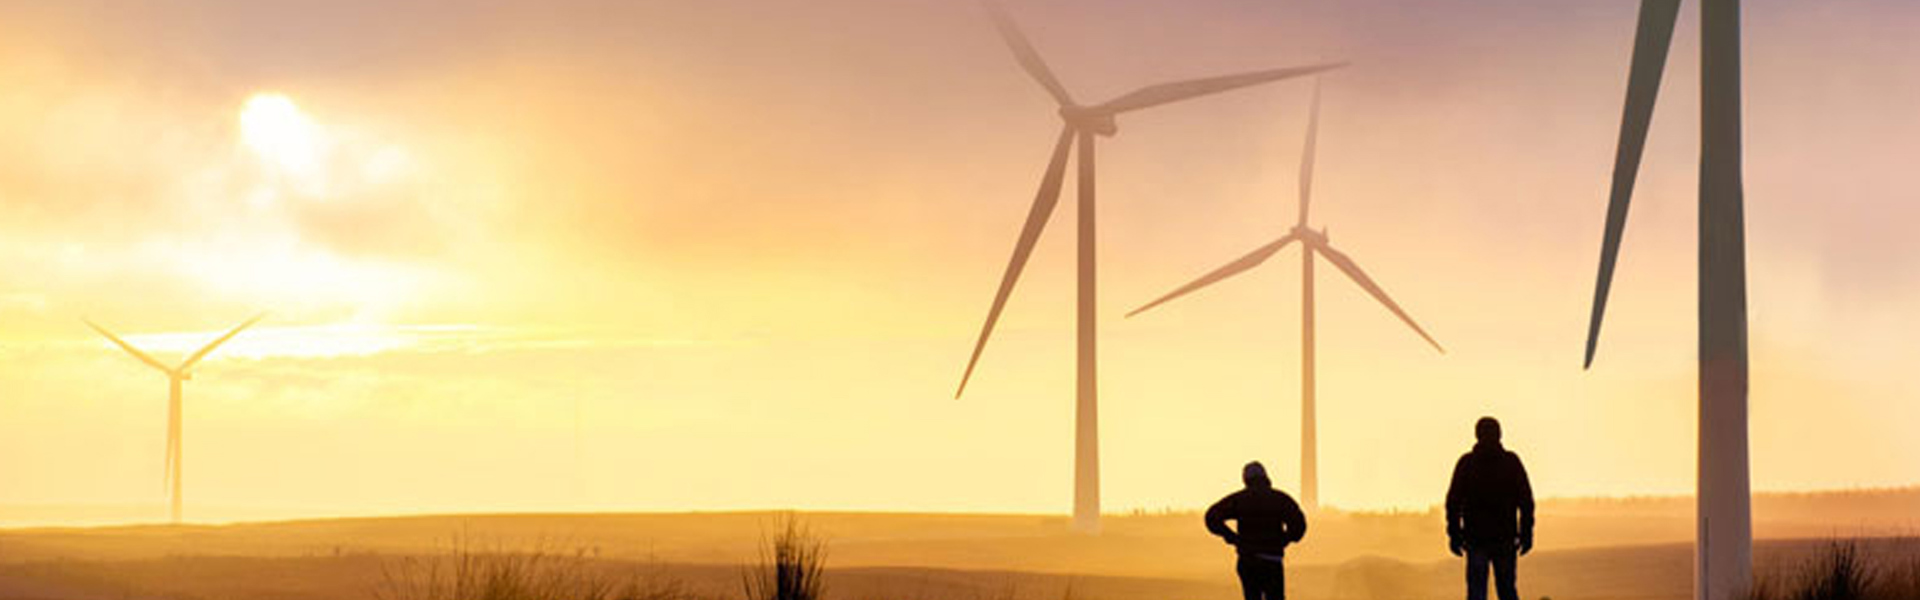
1490 512
1266 521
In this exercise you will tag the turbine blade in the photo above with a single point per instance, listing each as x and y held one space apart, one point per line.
1239 265
1307 154
1024 53
204 350
128 347
1353 271
1043 203
1155 95
1651 42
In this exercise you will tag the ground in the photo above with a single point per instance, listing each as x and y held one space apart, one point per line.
1604 549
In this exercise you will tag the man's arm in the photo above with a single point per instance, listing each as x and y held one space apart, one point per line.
1217 516
1457 498
1525 498
1296 522
1456 507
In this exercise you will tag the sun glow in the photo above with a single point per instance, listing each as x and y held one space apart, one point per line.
281 134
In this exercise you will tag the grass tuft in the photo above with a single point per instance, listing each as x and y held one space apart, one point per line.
792 566
1844 571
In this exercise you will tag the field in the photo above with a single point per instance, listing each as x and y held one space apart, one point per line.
1589 549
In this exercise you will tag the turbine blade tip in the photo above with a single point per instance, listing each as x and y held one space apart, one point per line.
964 380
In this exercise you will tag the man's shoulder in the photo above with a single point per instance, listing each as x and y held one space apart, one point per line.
1273 496
1278 494
1232 498
1502 455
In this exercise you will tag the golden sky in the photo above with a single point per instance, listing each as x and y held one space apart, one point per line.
732 254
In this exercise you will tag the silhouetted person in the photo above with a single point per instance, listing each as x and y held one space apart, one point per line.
1490 512
1265 520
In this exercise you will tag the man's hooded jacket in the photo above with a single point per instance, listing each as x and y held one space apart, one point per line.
1490 503
1267 519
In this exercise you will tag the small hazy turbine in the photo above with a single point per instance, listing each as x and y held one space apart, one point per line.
1312 243
1723 548
175 376
1081 124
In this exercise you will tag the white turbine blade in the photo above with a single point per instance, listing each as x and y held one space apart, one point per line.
1346 265
1650 45
1024 53
1238 266
204 350
1043 203
126 346
1155 95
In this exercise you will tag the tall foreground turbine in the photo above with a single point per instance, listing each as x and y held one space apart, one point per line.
1723 547
1311 242
1081 124
175 376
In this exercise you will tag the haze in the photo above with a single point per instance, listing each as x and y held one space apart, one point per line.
732 254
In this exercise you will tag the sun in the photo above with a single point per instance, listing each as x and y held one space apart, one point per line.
281 134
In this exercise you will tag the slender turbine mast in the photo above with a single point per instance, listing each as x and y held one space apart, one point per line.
1081 124
1723 548
175 376
1312 243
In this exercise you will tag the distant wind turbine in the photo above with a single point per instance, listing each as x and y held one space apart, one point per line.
1312 243
1723 548
175 376
1081 124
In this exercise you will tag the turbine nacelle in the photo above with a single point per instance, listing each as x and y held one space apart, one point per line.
1092 120
1309 236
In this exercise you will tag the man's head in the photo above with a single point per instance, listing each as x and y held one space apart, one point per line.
1255 475
1487 430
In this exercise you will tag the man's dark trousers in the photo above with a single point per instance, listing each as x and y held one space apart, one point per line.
1263 579
1499 556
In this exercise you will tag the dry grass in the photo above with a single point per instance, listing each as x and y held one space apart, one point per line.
1845 571
792 566
467 573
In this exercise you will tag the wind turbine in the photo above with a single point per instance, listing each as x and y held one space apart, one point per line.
1081 124
175 376
1723 548
1311 243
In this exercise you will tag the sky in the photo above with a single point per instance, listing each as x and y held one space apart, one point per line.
581 255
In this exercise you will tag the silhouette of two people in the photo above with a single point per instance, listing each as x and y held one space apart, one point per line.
1266 521
1490 513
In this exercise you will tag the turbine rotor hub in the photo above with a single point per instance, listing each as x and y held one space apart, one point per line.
1089 119
1307 234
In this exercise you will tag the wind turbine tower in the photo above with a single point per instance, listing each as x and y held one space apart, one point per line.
1312 243
176 376
1081 124
1723 543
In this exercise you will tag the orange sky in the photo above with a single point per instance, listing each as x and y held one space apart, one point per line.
731 254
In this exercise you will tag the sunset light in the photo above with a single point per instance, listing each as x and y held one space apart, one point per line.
1000 298
283 136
